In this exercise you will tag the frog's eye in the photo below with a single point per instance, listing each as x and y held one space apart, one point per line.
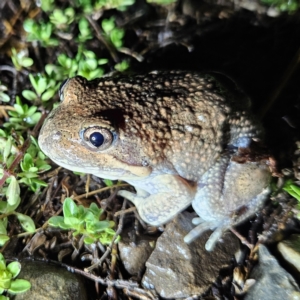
97 137
61 90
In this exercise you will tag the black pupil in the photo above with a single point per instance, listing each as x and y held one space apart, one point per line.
97 139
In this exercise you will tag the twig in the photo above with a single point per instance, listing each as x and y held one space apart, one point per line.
100 191
99 35
125 211
242 239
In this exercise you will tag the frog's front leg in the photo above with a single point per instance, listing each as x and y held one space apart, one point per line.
228 193
160 198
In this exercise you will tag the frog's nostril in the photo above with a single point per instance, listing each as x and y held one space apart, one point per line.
57 135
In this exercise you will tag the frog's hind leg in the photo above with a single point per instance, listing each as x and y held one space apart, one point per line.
228 193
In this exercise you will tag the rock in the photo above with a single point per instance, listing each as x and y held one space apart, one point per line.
272 281
178 270
290 250
50 282
135 255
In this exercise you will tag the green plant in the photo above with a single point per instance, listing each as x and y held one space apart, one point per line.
8 281
293 189
62 18
33 163
85 32
22 117
3 96
20 59
113 33
122 66
40 33
283 5
85 64
44 88
85 221
47 5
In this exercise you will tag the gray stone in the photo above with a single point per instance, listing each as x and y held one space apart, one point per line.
290 250
178 270
50 282
272 281
135 255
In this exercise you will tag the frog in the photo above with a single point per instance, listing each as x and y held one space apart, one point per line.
178 137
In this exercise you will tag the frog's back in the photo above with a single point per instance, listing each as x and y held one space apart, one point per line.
184 119
180 121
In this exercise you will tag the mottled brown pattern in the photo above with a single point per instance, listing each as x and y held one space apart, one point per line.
169 125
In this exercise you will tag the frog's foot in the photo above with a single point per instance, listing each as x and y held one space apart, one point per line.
156 209
228 193
161 198
197 221
203 226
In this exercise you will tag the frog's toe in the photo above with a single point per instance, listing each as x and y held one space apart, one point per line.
197 221
204 226
130 196
197 231
214 238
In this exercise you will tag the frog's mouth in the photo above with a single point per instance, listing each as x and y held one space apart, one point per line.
121 171
105 166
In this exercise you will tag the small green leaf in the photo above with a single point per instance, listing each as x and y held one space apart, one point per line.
58 221
28 25
3 206
14 268
122 66
31 111
13 191
5 279
39 182
27 62
70 209
42 85
4 97
29 95
292 189
108 182
88 240
95 210
3 224
102 61
7 149
73 222
34 118
19 286
3 239
110 231
97 227
2 262
26 222
116 37
19 109
48 94
108 25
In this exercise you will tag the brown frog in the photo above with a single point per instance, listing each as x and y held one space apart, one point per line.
173 135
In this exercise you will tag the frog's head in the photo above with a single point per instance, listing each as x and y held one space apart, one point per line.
86 134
